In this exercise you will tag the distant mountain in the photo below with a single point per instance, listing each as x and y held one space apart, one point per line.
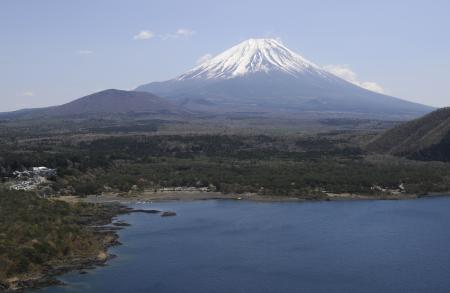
106 102
262 75
427 138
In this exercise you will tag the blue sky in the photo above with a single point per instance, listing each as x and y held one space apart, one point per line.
53 51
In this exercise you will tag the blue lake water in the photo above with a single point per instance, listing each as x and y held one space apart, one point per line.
240 246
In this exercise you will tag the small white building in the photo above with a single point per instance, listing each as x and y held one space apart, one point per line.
43 171
32 179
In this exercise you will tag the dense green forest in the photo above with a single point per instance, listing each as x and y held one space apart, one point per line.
301 165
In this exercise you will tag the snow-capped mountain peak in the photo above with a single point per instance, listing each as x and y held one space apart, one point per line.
263 76
251 56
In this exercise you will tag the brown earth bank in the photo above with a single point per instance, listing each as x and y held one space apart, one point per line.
150 196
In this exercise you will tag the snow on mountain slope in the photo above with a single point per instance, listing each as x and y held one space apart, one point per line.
250 56
262 75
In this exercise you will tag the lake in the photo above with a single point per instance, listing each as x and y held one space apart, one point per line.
242 246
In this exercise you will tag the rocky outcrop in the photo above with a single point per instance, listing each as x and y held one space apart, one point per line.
168 214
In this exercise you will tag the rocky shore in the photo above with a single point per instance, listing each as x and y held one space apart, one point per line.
106 231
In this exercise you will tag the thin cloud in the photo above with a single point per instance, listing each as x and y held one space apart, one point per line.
185 32
373 86
204 58
279 40
85 52
27 94
346 73
180 33
144 35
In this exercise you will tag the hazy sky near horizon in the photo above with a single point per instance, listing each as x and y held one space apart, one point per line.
54 51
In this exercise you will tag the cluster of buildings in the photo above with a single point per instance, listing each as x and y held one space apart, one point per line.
30 179
204 189
400 189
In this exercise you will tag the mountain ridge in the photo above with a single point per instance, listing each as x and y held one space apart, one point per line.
262 75
106 102
426 138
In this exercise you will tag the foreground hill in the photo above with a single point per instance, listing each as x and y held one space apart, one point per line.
106 102
427 138
262 75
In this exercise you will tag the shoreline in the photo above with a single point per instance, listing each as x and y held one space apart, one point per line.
151 196
103 228
106 229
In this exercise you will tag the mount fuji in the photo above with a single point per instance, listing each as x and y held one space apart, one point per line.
264 76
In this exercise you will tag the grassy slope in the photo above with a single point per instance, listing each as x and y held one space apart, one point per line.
413 136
